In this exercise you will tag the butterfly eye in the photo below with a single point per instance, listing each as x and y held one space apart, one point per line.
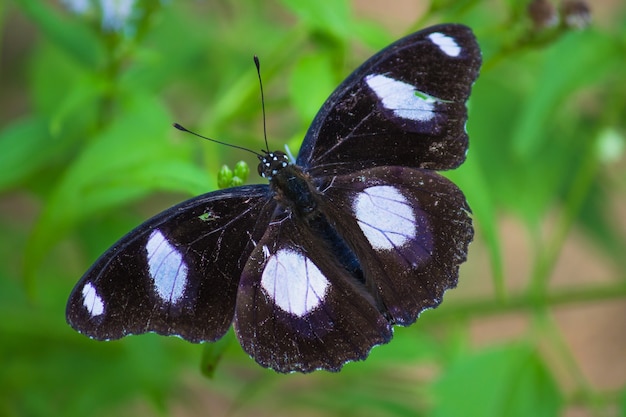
271 163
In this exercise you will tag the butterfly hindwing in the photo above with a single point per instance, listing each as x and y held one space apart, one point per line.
410 230
298 309
176 274
404 106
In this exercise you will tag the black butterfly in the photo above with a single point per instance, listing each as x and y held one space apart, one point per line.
314 269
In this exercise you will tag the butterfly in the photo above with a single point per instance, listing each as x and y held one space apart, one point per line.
315 268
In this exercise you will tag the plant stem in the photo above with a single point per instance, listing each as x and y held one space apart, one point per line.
526 302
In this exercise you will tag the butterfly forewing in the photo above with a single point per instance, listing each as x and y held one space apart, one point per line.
298 309
410 230
176 274
404 106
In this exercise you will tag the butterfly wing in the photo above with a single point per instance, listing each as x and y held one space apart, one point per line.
177 273
298 309
409 228
384 245
404 106
313 280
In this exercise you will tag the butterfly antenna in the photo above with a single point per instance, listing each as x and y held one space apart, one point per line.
184 129
258 71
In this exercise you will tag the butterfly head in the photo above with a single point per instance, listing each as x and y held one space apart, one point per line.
271 163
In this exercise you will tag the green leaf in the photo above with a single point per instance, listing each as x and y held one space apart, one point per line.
73 37
311 83
410 347
329 17
561 73
124 163
25 147
510 381
212 354
470 177
62 90
372 34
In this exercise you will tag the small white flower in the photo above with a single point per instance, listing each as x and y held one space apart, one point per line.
115 13
610 146
77 6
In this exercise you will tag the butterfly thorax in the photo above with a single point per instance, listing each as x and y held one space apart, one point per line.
294 190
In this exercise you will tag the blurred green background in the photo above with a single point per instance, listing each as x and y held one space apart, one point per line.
88 92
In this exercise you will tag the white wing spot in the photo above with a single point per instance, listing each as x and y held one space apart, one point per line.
167 268
293 281
447 44
385 217
92 301
403 99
